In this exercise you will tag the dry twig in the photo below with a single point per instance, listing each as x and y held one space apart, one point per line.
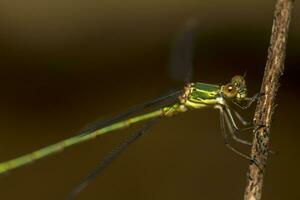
265 107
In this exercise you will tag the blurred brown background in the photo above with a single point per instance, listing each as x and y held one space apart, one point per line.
66 63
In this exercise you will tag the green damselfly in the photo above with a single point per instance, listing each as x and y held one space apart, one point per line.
193 96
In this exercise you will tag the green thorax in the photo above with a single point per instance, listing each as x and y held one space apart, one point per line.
201 94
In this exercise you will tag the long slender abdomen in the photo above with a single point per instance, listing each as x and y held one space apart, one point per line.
49 150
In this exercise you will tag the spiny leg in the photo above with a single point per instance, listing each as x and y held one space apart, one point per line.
235 127
230 117
249 101
108 159
223 130
232 132
240 118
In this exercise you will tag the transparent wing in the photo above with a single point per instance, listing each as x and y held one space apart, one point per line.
161 101
183 52
109 158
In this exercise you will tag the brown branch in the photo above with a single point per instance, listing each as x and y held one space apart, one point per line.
265 106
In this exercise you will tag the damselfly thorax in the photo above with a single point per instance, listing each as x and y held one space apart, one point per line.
200 95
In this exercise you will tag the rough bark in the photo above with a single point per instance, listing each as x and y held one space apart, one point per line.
265 107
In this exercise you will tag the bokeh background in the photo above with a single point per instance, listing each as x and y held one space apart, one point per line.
66 63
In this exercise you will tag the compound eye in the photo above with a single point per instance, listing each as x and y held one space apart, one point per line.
230 91
238 81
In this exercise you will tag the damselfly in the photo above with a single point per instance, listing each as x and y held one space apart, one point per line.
193 96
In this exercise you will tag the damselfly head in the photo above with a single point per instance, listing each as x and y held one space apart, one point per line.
236 89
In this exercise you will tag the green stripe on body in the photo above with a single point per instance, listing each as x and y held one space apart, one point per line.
36 155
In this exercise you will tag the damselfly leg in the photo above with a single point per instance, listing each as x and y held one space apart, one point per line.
249 101
241 118
225 136
232 126
234 130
